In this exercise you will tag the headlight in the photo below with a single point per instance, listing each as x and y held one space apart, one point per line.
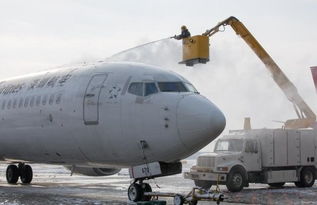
223 169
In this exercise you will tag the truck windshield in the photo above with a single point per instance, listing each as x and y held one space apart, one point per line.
229 145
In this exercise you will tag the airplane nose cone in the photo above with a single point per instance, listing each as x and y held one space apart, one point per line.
199 121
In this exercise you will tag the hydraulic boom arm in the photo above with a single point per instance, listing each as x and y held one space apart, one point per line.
305 114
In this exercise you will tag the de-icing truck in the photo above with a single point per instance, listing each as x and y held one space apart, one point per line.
270 156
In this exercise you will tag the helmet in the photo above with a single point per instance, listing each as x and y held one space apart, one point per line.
183 27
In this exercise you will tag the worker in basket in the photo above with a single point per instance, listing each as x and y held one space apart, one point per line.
185 33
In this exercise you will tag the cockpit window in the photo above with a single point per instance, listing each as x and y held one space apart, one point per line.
191 88
150 88
172 87
136 89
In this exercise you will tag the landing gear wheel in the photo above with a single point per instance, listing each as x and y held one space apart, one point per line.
203 184
135 192
12 174
307 177
277 185
146 188
178 199
26 174
236 180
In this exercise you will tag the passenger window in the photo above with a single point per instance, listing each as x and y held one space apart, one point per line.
20 102
51 100
136 89
38 100
150 88
58 98
32 101
9 104
3 104
14 103
26 102
44 100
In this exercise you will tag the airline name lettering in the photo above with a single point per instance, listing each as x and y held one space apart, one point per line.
47 82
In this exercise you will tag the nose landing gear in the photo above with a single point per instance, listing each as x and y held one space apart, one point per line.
23 171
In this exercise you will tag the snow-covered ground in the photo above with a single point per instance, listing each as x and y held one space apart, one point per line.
54 185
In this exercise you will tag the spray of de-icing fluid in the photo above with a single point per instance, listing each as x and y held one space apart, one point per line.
133 48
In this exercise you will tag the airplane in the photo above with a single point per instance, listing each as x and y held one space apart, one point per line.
99 118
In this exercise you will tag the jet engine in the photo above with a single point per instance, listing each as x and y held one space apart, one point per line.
91 171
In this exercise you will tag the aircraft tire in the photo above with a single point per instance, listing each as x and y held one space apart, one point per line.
26 174
146 188
12 174
135 192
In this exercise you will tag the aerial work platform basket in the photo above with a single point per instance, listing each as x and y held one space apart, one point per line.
195 50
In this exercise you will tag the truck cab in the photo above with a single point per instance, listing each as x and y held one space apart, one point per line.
237 150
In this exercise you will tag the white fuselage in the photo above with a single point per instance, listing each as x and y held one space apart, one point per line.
93 116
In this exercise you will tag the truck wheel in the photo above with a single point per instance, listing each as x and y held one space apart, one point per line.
299 184
236 179
203 184
277 185
307 177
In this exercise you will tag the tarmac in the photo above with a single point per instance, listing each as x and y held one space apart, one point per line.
54 185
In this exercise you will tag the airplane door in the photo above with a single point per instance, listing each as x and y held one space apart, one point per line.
91 99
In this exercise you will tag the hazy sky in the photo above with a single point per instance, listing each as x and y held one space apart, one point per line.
37 35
